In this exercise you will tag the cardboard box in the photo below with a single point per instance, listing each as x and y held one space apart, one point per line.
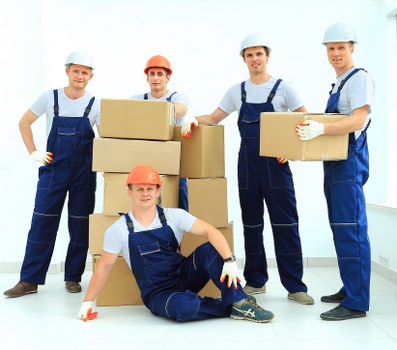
120 288
207 199
203 154
116 200
278 138
137 119
121 155
98 224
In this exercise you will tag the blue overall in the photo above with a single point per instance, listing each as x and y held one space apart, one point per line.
183 202
71 141
259 179
169 282
343 187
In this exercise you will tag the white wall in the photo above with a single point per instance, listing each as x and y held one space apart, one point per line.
201 39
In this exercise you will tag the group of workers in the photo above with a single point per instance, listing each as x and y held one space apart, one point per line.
149 236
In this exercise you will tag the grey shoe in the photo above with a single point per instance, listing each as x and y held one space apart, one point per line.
333 298
21 289
301 298
73 287
254 290
341 313
251 311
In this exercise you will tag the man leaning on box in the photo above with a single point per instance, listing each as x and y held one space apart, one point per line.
149 237
344 180
263 178
158 71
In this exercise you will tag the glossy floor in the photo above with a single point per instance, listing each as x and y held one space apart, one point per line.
48 320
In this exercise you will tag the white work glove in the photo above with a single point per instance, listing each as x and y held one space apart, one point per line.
230 269
309 130
42 157
186 129
85 312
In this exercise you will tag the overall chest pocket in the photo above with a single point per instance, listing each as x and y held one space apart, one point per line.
67 137
152 253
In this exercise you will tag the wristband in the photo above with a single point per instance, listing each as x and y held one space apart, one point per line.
230 259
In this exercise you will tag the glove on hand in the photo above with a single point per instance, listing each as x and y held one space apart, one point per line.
231 270
309 130
42 157
85 312
186 129
282 160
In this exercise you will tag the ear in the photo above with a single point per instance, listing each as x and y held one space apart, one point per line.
67 70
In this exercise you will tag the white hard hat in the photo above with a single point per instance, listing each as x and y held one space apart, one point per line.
80 57
253 40
340 32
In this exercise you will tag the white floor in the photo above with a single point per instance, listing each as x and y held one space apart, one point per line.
47 320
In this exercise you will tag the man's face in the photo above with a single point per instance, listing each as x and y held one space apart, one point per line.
157 79
144 195
340 56
256 59
79 76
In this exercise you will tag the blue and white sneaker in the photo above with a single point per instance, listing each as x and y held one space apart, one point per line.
251 311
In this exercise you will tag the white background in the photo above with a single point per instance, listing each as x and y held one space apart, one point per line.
202 40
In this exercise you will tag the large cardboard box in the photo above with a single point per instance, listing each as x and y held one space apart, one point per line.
120 288
137 119
278 137
203 154
98 224
207 199
116 200
121 155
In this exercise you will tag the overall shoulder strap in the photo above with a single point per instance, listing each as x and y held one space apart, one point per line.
56 106
243 92
273 92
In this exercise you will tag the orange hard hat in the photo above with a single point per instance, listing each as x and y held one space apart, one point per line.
158 62
144 174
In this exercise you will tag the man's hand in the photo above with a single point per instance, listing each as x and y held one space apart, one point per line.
186 129
42 157
85 312
309 130
281 160
230 269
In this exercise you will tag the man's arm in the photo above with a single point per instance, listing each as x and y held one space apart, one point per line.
214 118
350 124
25 128
180 109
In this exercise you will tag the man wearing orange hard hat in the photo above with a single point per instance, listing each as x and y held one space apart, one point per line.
149 237
158 71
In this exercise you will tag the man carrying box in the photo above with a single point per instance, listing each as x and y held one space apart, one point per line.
344 180
158 71
263 178
148 237
66 170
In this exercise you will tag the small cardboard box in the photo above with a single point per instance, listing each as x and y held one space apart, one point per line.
278 137
203 154
207 200
120 288
137 119
98 223
121 155
116 200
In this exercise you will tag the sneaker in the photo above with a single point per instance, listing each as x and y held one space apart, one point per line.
341 313
73 287
254 290
333 298
301 298
21 289
251 311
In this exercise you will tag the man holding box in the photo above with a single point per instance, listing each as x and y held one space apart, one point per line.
344 180
66 169
263 178
148 237
158 71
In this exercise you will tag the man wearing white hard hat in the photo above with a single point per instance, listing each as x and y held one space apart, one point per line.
352 94
65 170
263 178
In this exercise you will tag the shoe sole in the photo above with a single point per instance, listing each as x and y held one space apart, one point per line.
302 303
331 301
73 291
326 318
234 317
21 295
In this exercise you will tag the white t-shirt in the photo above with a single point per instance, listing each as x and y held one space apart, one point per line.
177 97
67 107
285 99
357 92
116 236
